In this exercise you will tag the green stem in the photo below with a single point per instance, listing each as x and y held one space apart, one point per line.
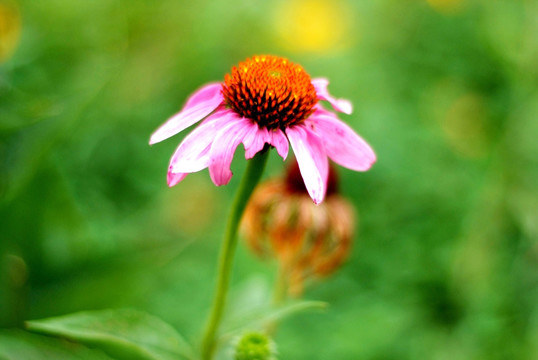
280 291
280 294
250 179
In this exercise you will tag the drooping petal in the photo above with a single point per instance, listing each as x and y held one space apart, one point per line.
312 160
342 105
255 140
223 148
193 153
250 135
198 106
280 142
341 143
174 179
320 109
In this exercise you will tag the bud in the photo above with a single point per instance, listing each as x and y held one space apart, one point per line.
307 240
255 346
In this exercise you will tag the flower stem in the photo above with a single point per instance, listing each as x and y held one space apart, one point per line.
250 179
280 294
280 291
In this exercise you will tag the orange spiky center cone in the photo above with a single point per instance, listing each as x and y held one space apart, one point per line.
271 91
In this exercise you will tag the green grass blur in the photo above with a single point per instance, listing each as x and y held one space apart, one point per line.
445 261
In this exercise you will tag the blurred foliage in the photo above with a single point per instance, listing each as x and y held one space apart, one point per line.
124 334
445 263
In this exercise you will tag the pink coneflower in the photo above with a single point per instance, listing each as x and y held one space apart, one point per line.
266 100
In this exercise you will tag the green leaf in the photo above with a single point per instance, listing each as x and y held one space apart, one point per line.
19 344
262 317
124 334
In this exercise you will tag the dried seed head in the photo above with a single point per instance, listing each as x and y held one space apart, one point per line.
308 240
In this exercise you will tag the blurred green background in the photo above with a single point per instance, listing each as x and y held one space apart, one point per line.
445 260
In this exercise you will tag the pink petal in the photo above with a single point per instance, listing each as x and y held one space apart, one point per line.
255 140
193 153
341 143
198 106
342 105
174 179
223 148
319 109
280 142
312 160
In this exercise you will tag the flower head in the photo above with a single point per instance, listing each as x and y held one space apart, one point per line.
265 100
307 240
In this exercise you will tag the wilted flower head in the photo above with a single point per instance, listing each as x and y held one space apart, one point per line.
307 240
265 100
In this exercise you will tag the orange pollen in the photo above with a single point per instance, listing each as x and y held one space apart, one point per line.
271 91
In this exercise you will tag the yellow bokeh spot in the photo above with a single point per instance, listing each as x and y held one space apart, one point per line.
313 25
464 125
446 6
10 29
462 116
